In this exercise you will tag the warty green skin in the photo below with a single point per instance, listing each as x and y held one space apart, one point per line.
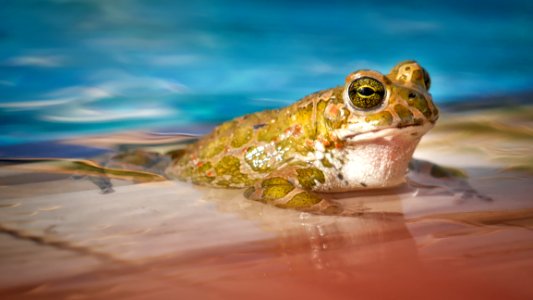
282 156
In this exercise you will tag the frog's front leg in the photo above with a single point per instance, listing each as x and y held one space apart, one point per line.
290 187
438 179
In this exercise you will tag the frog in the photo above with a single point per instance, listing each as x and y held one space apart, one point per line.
359 135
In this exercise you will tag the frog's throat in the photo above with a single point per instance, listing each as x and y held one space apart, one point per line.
375 159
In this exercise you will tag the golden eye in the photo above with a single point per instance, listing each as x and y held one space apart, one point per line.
366 93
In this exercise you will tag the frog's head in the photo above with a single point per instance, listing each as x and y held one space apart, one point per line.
376 103
383 119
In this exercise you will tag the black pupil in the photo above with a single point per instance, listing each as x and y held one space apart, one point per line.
365 91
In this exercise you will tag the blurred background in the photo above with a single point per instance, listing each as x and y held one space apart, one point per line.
69 68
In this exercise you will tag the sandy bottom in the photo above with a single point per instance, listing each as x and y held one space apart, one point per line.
62 238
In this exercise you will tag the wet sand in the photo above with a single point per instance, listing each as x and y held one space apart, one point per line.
62 238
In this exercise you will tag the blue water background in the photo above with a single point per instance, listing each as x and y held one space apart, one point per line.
76 67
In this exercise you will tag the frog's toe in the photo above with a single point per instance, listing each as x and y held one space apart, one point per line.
253 193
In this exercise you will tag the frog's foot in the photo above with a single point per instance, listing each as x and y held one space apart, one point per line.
282 193
432 179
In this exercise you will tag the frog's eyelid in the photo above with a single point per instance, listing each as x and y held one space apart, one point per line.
365 73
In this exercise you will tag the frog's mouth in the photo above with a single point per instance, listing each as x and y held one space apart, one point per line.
411 131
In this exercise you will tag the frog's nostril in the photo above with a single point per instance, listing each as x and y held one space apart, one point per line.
412 95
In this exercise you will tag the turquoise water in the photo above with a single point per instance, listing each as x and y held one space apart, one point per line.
76 67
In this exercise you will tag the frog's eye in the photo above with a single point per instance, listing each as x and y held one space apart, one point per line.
366 93
427 79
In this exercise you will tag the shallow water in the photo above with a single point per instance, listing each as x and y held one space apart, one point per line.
68 236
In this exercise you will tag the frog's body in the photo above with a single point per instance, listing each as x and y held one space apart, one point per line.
358 136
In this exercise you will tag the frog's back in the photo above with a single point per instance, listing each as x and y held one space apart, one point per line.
239 152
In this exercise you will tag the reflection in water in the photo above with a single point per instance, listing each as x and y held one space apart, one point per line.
314 237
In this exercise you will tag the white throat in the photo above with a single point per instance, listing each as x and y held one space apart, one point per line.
373 160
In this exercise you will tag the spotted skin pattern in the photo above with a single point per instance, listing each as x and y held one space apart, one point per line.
318 144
